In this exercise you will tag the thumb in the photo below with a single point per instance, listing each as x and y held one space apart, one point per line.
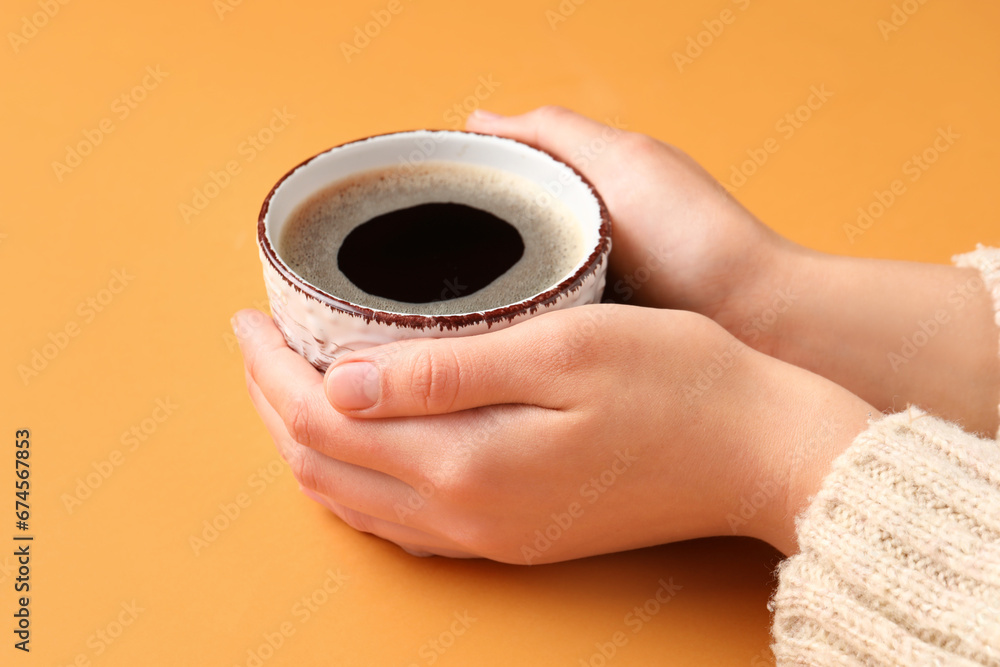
564 133
437 376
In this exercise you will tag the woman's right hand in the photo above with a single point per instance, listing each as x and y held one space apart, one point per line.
893 333
679 239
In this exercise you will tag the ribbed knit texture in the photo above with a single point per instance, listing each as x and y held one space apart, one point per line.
899 560
987 260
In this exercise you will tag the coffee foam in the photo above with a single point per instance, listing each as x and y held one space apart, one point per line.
553 240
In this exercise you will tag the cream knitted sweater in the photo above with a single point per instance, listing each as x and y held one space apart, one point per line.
899 560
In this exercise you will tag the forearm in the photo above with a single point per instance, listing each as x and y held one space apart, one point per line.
893 333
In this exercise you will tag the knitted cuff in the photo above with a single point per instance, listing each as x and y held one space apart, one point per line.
899 560
987 260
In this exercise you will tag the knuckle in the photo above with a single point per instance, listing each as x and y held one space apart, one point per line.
463 489
421 373
257 351
641 144
576 341
552 112
434 378
298 419
302 463
483 539
473 526
252 360
357 520
248 379
447 484
459 485
640 149
476 539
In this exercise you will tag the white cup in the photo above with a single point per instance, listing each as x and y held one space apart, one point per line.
321 326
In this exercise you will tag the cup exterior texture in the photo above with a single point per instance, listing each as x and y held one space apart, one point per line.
322 327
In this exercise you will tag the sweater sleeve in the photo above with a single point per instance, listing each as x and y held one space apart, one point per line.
899 560
987 260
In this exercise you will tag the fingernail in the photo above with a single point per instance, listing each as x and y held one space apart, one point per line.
483 114
235 324
353 386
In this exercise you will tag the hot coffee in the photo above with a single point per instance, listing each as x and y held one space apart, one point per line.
438 238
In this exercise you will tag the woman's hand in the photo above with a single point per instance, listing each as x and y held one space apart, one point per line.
578 432
679 240
894 333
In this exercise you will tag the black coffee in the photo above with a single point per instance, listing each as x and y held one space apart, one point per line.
440 238
429 252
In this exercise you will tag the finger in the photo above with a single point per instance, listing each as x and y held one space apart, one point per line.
428 455
564 133
272 421
438 376
412 540
412 450
289 383
361 489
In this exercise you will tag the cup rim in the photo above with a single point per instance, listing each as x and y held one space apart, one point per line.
418 321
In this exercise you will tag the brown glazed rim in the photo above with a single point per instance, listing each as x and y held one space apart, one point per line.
416 321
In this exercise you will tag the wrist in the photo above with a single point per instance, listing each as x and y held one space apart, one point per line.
765 293
806 422
893 333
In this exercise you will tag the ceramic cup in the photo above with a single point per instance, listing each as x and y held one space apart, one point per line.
322 326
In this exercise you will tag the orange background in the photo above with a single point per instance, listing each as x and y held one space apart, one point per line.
165 335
